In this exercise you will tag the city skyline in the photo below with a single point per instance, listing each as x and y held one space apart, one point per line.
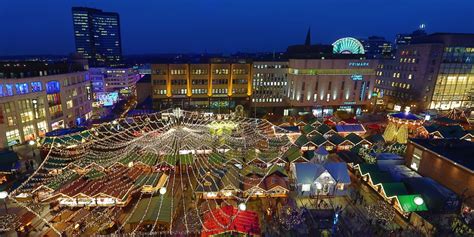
242 21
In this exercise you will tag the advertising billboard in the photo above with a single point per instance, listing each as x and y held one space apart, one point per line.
107 98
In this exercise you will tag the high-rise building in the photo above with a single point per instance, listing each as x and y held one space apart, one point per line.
432 72
270 82
37 97
376 47
97 36
404 38
215 86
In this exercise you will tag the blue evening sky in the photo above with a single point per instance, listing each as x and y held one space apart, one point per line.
183 26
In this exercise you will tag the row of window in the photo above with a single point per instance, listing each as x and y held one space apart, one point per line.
219 71
409 60
267 100
263 66
199 81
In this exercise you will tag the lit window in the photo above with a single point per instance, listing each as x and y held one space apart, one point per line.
305 187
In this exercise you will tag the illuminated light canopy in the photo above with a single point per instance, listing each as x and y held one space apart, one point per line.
348 45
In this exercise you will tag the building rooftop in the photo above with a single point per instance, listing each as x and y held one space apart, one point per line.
460 152
454 39
25 69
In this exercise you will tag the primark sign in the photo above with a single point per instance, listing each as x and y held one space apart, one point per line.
358 64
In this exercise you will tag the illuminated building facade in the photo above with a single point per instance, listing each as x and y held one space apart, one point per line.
213 86
37 97
97 36
323 86
114 80
433 72
270 83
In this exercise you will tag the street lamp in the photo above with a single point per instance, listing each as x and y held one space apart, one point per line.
3 196
32 143
242 206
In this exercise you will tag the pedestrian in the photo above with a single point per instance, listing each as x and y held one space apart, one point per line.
32 164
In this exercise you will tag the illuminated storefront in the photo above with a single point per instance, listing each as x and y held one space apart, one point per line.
453 88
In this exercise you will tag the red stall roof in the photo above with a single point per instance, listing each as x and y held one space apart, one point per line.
230 219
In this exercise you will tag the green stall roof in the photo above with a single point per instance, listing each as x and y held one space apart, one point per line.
158 210
394 189
408 203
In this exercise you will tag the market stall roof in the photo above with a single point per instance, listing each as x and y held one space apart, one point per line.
148 179
380 177
323 128
321 151
437 197
405 116
375 138
149 210
215 158
350 157
230 219
292 154
274 180
276 169
400 172
407 202
294 129
350 128
308 155
231 179
338 171
445 120
394 189
8 161
336 139
307 128
318 139
388 156
354 138
460 152
366 168
301 141
307 173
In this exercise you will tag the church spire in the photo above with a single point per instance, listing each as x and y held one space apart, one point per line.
307 42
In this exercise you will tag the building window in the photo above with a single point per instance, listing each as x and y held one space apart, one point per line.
42 128
36 86
53 87
305 187
199 71
21 88
69 104
416 159
13 137
29 132
26 116
9 89
222 71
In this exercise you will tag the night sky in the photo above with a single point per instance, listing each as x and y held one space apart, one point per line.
225 26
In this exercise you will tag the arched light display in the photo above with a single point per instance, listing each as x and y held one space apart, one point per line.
348 45
188 158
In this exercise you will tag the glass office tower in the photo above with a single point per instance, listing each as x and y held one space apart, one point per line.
97 36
